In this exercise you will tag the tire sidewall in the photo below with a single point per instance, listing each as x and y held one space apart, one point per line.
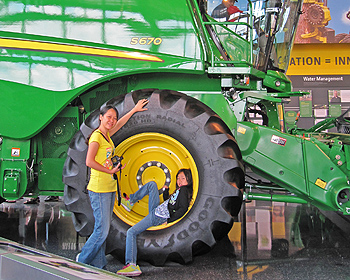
156 245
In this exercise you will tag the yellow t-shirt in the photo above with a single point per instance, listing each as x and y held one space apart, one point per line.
102 182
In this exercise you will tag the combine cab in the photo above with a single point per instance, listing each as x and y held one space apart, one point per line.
216 86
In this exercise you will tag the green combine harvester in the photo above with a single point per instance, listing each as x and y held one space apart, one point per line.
204 76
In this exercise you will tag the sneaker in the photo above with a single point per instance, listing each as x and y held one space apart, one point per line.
126 203
130 270
77 258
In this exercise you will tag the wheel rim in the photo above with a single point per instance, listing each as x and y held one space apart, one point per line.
151 157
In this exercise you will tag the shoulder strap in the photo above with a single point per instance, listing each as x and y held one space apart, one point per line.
103 135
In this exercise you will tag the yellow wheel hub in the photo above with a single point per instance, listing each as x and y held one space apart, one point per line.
151 157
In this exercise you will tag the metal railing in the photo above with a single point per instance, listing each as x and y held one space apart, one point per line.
214 62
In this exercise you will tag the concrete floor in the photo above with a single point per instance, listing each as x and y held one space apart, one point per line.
268 241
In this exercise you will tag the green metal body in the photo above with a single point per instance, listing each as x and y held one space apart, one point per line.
60 61
291 161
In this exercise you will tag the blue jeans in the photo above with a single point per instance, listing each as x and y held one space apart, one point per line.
150 220
93 252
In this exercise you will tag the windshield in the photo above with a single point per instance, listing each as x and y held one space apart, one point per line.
273 25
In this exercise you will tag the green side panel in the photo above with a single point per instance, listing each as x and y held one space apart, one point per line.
14 155
154 26
52 149
325 177
50 175
282 164
33 108
296 164
52 52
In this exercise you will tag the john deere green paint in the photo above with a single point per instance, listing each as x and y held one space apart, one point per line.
205 77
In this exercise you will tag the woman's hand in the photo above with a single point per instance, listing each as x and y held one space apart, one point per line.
140 105
117 168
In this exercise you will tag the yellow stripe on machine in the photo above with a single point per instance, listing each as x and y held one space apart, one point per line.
65 48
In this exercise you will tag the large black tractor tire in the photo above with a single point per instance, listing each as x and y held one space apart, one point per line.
176 131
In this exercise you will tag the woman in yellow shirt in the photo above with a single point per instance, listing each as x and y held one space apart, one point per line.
102 187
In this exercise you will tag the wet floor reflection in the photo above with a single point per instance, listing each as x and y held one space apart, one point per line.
45 226
291 241
268 241
270 231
